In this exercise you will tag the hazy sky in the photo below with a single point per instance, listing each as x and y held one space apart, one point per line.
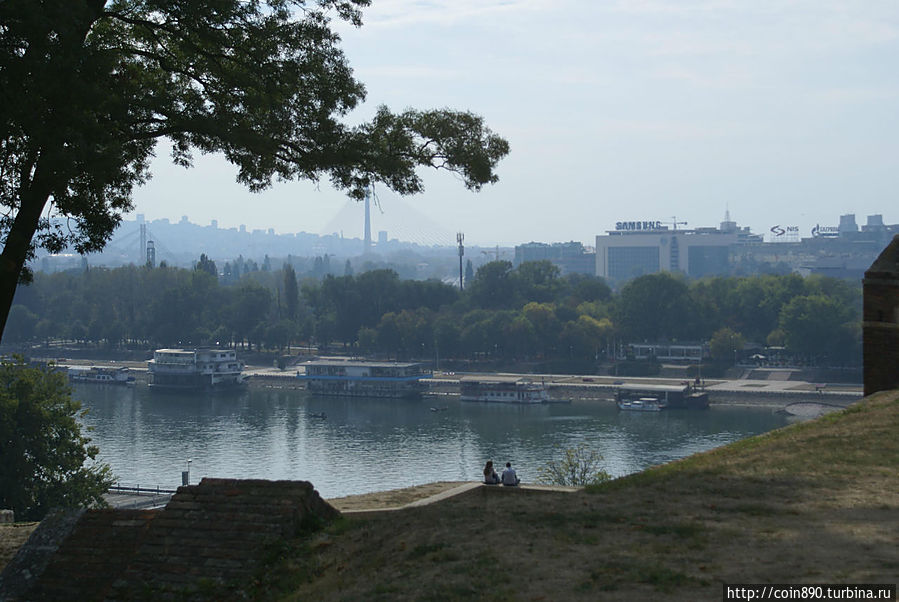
785 112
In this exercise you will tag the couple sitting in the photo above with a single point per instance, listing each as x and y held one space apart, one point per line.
509 478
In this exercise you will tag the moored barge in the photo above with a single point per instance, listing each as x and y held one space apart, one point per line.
672 397
503 389
362 378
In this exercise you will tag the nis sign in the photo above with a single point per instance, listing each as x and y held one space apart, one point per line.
638 225
778 231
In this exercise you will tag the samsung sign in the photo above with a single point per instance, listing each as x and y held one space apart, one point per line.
638 225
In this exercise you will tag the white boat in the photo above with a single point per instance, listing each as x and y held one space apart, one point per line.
99 375
644 404
503 389
195 369
363 378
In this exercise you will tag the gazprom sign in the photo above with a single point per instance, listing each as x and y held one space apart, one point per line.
633 226
820 231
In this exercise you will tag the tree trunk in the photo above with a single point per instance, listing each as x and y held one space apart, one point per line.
18 241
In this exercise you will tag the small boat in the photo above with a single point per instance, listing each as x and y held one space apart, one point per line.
644 404
440 409
321 415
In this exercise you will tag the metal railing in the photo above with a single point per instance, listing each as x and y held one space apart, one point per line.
139 490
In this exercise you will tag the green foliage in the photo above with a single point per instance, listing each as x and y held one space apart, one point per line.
817 325
656 307
264 83
291 292
415 319
579 466
45 459
724 345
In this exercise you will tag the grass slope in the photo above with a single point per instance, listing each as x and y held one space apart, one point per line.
814 502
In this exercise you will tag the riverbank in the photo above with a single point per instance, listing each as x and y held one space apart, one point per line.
810 503
773 391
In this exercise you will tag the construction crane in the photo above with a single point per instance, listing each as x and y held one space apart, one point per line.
495 253
675 223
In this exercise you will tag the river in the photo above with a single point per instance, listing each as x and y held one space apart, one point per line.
365 445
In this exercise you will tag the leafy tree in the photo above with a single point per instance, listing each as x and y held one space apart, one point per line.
206 265
250 307
22 323
588 288
390 337
578 466
45 459
539 280
656 307
546 325
368 339
291 292
816 325
87 88
494 286
724 343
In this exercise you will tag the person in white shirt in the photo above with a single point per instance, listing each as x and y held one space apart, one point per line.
509 478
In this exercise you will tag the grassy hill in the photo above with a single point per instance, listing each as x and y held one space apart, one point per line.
813 502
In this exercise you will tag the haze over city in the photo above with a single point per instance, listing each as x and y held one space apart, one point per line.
783 113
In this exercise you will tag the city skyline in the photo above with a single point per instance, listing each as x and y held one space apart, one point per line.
783 114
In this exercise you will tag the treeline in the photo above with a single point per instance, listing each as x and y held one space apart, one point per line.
525 313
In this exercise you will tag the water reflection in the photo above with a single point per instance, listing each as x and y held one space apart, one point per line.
374 444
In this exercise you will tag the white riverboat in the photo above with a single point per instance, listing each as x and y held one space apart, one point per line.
195 369
100 376
503 389
362 378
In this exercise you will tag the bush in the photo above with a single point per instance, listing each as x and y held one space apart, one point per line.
579 466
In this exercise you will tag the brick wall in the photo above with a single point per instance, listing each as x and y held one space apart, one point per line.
209 535
880 325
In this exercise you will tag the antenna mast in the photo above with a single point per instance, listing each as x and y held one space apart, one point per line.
459 238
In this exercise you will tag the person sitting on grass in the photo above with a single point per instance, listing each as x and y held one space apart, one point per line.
510 479
490 476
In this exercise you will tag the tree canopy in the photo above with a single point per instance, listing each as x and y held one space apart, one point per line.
43 453
88 87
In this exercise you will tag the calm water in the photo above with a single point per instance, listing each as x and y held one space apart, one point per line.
369 444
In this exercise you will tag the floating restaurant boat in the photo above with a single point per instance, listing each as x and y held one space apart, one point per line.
503 389
99 375
362 378
677 397
195 369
